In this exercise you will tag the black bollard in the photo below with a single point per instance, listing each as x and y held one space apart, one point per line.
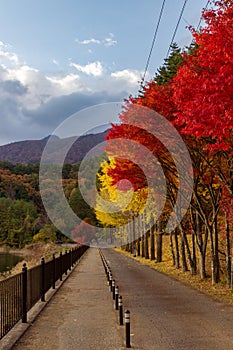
120 305
127 329
113 289
110 283
116 297
108 274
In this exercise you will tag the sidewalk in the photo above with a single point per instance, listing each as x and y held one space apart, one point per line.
80 316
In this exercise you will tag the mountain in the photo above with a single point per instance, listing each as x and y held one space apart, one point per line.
30 151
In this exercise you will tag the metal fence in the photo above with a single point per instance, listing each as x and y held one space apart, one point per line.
19 293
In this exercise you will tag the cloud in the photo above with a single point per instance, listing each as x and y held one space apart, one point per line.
66 84
88 41
128 75
108 41
33 103
55 62
23 73
94 68
5 53
14 87
57 109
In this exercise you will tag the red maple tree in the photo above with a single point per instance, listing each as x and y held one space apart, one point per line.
203 86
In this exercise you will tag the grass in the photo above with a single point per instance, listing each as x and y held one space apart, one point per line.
219 292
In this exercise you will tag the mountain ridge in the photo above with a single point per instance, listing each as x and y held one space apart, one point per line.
30 151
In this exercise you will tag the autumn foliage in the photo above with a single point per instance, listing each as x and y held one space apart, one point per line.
197 100
203 86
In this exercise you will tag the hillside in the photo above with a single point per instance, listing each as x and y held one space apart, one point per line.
30 151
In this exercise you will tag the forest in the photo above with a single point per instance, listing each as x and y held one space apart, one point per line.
22 214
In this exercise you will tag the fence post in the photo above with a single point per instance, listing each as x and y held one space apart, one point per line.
66 262
120 310
54 271
60 265
42 280
70 259
127 329
24 294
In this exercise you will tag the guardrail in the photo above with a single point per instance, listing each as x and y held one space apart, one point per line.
19 293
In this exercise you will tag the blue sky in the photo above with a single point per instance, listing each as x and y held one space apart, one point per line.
57 56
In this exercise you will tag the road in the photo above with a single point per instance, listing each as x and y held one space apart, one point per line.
79 316
166 314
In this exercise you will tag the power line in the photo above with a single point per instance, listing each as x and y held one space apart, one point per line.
153 42
177 25
173 37
205 8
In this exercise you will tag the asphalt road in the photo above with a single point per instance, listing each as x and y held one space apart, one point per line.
166 314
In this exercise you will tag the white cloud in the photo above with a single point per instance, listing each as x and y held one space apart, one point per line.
88 41
56 62
23 73
66 85
94 68
5 53
108 41
128 75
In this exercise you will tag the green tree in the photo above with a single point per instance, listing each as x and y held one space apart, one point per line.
46 234
170 66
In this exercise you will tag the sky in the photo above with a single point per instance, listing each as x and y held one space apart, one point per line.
58 57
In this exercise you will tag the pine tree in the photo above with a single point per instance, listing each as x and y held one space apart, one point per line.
171 64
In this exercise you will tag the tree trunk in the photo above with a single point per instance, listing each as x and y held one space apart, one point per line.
215 266
143 248
128 238
159 243
217 262
190 258
228 253
172 249
146 246
177 250
133 236
202 265
159 247
139 235
213 257
139 247
183 255
152 244
194 255
201 245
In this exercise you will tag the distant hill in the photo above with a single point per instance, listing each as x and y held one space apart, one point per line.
30 151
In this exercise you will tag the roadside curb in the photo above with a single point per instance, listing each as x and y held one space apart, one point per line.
11 338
